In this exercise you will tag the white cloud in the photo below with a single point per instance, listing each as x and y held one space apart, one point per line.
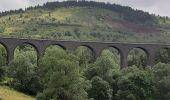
160 7
13 4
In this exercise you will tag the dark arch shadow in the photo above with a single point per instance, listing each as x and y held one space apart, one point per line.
4 45
55 44
138 56
87 46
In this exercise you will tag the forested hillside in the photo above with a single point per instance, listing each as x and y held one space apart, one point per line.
83 20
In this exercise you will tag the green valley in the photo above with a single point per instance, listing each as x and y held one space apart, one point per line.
49 72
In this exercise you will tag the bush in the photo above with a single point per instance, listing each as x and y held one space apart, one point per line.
2 72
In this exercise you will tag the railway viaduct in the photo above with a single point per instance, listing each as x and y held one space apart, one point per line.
96 47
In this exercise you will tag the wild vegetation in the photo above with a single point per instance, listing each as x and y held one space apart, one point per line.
83 20
75 76
61 75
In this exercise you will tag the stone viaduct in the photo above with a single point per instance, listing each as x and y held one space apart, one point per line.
40 45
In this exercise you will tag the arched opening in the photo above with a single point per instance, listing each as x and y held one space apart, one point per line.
137 57
23 71
52 55
85 55
28 51
57 49
113 53
163 55
3 62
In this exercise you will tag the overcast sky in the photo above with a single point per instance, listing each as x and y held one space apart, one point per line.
161 7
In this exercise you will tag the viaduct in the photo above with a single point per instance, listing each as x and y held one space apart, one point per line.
96 47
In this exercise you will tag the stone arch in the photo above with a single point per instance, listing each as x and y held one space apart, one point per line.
91 56
55 44
89 47
92 49
5 46
116 50
142 61
33 46
54 48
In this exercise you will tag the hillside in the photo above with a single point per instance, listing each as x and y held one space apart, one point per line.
9 94
85 21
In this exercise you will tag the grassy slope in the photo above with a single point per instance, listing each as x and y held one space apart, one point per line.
88 21
9 94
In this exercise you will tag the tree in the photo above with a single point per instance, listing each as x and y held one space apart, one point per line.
101 89
23 72
107 71
85 56
61 77
3 59
162 81
135 84
163 56
137 57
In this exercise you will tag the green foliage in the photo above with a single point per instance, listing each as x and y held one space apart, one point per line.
23 71
137 57
61 77
135 84
104 73
3 59
105 66
2 73
1 29
99 22
163 56
85 55
162 81
101 89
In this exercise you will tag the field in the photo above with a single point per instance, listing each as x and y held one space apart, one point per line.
9 94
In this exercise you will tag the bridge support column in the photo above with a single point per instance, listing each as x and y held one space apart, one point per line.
10 56
97 54
124 60
71 49
151 58
40 54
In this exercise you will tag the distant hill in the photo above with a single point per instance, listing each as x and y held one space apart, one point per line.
85 20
